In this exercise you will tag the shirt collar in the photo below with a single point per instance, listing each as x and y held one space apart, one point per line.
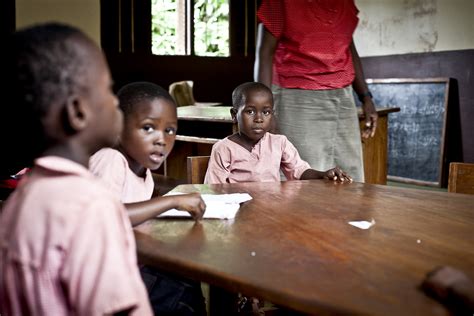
62 165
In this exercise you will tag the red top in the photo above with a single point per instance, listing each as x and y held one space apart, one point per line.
313 42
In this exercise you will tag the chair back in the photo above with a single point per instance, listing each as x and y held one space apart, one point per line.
461 178
182 92
196 168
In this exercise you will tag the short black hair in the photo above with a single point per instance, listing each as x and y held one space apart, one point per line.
239 94
41 67
133 93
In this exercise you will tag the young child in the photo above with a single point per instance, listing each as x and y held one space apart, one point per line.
67 245
148 136
253 154
150 124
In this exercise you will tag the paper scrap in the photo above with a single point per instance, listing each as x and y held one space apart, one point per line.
363 224
220 206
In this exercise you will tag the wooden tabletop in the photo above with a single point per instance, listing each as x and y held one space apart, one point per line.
222 113
292 245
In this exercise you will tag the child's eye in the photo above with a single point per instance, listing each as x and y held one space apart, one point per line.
170 131
267 112
250 112
148 128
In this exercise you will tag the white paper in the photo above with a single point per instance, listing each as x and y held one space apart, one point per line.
363 224
221 206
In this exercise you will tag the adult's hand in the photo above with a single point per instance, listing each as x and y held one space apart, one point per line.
371 118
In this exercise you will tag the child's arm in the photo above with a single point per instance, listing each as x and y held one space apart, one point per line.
218 166
451 287
143 211
335 174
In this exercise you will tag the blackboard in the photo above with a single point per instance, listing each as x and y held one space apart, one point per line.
416 134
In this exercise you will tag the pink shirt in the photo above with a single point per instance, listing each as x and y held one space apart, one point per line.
112 168
67 246
231 163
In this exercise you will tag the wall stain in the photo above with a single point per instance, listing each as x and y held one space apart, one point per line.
413 25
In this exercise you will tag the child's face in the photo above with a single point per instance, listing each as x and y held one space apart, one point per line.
255 116
149 133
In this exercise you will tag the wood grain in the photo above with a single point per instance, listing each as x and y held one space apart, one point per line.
292 245
461 178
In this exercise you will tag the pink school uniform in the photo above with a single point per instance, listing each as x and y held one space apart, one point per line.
112 168
231 163
67 246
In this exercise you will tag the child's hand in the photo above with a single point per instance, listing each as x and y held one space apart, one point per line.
192 203
442 280
337 174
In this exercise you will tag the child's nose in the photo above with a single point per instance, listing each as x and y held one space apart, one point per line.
258 117
159 139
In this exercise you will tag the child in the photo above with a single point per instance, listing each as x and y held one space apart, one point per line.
253 154
66 243
150 124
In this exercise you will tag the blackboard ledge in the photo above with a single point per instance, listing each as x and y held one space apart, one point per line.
412 181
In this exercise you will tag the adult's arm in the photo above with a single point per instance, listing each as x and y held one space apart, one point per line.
360 87
263 67
266 44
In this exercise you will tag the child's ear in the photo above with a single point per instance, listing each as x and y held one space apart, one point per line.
76 114
233 113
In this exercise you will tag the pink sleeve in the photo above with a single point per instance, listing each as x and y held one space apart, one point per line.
100 272
270 13
291 163
110 167
218 167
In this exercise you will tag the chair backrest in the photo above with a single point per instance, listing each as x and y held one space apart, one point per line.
182 92
461 178
197 167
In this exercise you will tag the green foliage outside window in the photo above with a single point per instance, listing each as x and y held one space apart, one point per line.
164 21
211 28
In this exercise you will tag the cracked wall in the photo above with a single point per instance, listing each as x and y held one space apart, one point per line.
389 27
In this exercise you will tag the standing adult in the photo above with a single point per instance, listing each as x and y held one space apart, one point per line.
306 53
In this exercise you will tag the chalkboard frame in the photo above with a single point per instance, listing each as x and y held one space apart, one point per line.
442 150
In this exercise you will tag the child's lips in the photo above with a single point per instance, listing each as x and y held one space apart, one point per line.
156 157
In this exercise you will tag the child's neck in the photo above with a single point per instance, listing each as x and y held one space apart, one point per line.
242 140
70 151
136 168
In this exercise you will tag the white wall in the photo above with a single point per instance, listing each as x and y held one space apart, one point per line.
389 27
83 14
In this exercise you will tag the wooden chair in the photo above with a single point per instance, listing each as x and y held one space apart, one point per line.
197 167
461 178
182 93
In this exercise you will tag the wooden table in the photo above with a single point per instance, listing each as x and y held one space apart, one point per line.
292 245
199 127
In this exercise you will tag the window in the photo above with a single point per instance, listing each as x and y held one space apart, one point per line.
190 27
